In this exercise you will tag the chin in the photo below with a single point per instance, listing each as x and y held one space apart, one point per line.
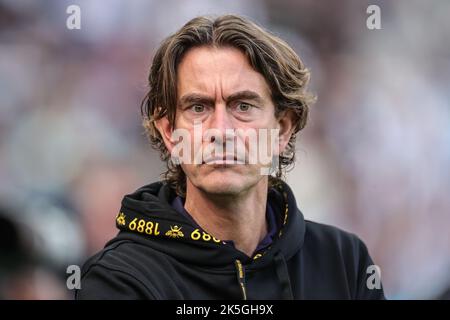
224 181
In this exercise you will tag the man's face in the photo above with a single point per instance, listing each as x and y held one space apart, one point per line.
218 89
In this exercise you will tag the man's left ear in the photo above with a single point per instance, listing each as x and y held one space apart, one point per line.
286 122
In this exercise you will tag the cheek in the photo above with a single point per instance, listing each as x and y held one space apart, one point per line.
267 119
268 136
181 121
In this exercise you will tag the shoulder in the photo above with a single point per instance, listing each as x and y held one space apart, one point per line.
339 252
334 243
323 234
121 271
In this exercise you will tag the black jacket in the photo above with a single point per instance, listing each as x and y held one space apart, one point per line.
161 254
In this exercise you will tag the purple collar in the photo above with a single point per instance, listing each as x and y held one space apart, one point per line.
272 224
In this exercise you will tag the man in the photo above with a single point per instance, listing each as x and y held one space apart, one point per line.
222 225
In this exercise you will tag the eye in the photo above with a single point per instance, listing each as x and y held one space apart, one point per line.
243 107
198 108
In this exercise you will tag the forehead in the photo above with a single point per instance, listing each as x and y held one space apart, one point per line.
218 71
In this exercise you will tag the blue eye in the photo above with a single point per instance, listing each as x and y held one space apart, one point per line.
243 107
198 108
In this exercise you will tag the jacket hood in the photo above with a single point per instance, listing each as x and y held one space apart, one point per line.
147 217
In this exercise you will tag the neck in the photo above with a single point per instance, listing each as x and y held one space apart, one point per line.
240 218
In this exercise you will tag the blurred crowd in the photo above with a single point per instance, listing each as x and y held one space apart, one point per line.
374 158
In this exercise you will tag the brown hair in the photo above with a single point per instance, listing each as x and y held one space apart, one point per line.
281 67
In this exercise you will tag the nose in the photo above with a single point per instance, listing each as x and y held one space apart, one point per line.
220 121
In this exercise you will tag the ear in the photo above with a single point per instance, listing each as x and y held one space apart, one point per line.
165 130
286 125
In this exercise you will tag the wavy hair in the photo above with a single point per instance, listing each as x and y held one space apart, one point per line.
272 57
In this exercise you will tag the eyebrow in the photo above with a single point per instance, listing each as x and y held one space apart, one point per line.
192 98
245 95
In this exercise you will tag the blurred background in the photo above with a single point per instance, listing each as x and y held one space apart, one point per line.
374 158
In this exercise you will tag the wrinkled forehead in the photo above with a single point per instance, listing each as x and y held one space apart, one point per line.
219 73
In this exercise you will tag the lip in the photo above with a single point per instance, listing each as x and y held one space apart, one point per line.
227 159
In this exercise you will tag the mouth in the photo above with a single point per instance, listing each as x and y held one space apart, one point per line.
223 160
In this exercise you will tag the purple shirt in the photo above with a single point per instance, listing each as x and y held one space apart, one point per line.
272 225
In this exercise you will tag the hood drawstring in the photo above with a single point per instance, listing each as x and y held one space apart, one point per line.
283 275
240 272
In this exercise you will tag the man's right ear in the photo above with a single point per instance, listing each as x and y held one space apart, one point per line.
165 130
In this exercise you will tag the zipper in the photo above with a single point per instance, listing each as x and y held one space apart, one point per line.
240 271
